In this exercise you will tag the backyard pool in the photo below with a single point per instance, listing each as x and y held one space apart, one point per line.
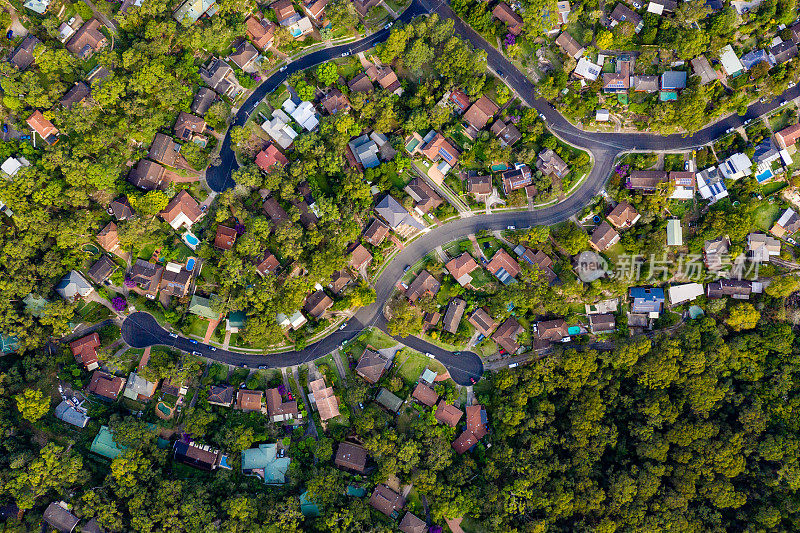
190 264
191 240
164 408
91 248
764 176
296 32
499 166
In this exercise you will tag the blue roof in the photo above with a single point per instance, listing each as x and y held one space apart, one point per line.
647 293
646 300
754 57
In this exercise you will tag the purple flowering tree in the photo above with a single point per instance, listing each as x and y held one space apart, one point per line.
510 39
239 229
129 282
119 303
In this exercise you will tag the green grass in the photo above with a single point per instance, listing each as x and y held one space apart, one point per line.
94 312
493 246
772 187
198 327
146 251
481 278
766 215
377 339
410 365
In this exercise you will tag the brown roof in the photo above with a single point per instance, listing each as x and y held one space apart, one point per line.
503 259
360 84
85 349
448 414
146 175
411 523
788 136
107 238
121 208
187 125
318 303
175 282
284 10
102 269
504 12
386 500
461 266
196 455
430 320
549 162
646 179
464 442
182 203
105 385
372 365
602 323
452 318
75 95
568 44
244 54
261 32
268 264
276 406
480 112
623 215
506 132
203 100
43 127
359 257
335 101
425 197
23 57
506 335
325 398
164 150
225 238
385 76
351 456
376 232
249 400
87 40
425 394
273 210
145 274
423 284
479 184
221 394
482 321
433 148
603 236
541 261
740 288
339 280
476 420
552 330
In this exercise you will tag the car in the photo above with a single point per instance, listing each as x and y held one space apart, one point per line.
511 228
502 351
173 335
686 165
541 116
5 128
342 326
345 54
262 367
429 354
209 128
283 68
198 354
10 34
193 341
404 285
244 366
792 84
213 349
472 380
71 21
290 396
388 26
728 130
791 241
203 207
406 268
499 73
75 400
513 365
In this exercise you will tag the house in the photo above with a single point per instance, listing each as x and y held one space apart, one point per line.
316 12
87 40
121 210
661 6
85 351
187 125
221 395
435 147
552 330
339 280
646 180
204 307
674 232
754 57
225 237
103 445
266 463
293 321
43 127
335 102
102 270
503 266
586 70
710 185
37 6
376 232
647 300
386 500
684 184
426 200
461 267
164 150
108 238
66 412
270 158
280 411
360 84
285 13
425 394
623 13
372 365
569 45
739 289
540 260
645 84
604 323
478 115
303 113
191 10
783 52
261 32
761 247
146 276
736 166
673 80
73 286
105 385
623 215
506 335
452 318
76 94
715 253
602 115
58 517
324 398
203 100
424 284
604 237
138 388
269 263
411 523
12 165
363 6
360 257
182 210
477 428
386 78
479 186
317 303
619 81
686 292
249 401
787 225
564 9
396 215
220 77
730 61
507 132
702 68
483 322
516 178
548 162
430 320
448 414
146 175
505 14
459 99
244 55
279 129
351 457
22 57
365 151
200 456
175 280
788 136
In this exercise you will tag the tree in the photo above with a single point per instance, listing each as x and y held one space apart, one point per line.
572 238
743 316
248 176
327 73
782 286
406 319
32 404
604 40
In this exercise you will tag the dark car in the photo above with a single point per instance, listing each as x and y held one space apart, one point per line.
5 128
10 34
193 341
406 268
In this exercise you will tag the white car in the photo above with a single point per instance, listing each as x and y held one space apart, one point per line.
213 349
343 326
791 241
511 228
429 354
513 365
388 26
173 335
345 54
282 68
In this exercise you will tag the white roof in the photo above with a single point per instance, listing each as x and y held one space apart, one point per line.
785 217
279 129
652 7
682 193
294 321
730 61
736 166
602 115
787 159
173 267
586 69
674 232
11 166
684 293
305 115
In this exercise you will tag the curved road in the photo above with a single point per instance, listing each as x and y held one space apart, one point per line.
141 329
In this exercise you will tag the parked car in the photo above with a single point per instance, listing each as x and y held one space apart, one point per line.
25 137
388 26
173 335
511 228
213 349
686 165
406 268
196 353
282 68
429 354
5 128
193 341
513 365
345 54
10 34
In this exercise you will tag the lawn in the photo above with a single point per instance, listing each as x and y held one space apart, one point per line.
772 187
778 121
94 312
766 215
146 251
327 361
481 278
377 339
410 364
198 327
456 247
489 246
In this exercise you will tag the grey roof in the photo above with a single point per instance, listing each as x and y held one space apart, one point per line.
102 269
66 412
73 286
365 150
59 518
673 79
395 214
204 98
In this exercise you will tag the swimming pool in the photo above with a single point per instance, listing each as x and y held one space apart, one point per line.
296 32
190 264
764 176
164 408
499 166
191 240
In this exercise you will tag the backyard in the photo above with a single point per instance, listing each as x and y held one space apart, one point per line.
409 365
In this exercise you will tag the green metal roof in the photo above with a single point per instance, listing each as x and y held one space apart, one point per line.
202 306
103 444
265 458
307 507
236 319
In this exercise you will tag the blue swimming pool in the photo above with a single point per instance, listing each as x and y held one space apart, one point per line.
296 32
764 176
191 240
190 264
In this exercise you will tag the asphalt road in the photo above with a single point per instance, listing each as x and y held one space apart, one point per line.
141 329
